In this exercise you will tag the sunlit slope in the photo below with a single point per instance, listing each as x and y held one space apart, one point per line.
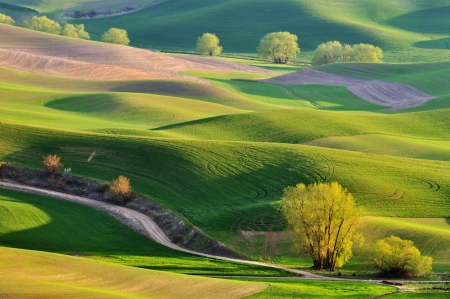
32 274
38 223
194 177
60 56
390 25
389 145
90 105
298 126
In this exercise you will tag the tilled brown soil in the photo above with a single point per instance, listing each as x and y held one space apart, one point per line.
395 95
58 56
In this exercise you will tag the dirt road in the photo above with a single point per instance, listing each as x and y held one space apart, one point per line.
144 224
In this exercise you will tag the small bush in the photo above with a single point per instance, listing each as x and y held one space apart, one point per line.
120 190
103 187
52 164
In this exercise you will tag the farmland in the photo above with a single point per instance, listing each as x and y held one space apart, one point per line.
218 139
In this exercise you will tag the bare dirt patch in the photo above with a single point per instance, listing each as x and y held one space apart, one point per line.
71 58
395 95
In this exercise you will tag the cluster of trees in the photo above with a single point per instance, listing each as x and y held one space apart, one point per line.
334 51
279 47
325 220
47 25
282 47
44 24
4 19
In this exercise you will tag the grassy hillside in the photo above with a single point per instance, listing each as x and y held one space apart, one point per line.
31 275
175 24
38 222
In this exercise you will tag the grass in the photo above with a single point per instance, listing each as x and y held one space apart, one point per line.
320 289
32 274
37 223
392 26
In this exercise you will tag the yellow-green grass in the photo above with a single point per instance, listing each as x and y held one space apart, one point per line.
33 274
389 145
194 176
303 125
392 26
320 289
47 224
432 294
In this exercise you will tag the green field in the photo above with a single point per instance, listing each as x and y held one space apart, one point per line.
392 26
222 154
47 224
33 274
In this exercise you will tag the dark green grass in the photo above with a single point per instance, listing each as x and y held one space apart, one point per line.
176 24
47 224
293 288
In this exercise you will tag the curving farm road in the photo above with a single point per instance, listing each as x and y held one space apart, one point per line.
145 225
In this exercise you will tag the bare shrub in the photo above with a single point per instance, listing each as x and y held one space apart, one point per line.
120 190
52 164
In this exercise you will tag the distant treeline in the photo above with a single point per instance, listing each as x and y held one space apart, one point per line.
92 14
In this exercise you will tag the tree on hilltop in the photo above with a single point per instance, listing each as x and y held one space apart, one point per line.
4 19
395 257
116 36
279 47
365 53
43 24
331 52
75 31
324 219
208 44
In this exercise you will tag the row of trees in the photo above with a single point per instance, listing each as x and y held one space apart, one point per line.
334 51
325 220
282 47
44 24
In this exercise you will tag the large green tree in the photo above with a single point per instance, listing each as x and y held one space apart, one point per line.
365 53
334 51
395 257
4 19
75 31
325 219
208 43
43 24
279 47
116 36
329 52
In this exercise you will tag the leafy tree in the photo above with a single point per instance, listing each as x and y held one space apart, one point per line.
4 19
279 47
43 24
329 52
52 164
75 31
365 53
208 43
399 258
116 36
324 219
